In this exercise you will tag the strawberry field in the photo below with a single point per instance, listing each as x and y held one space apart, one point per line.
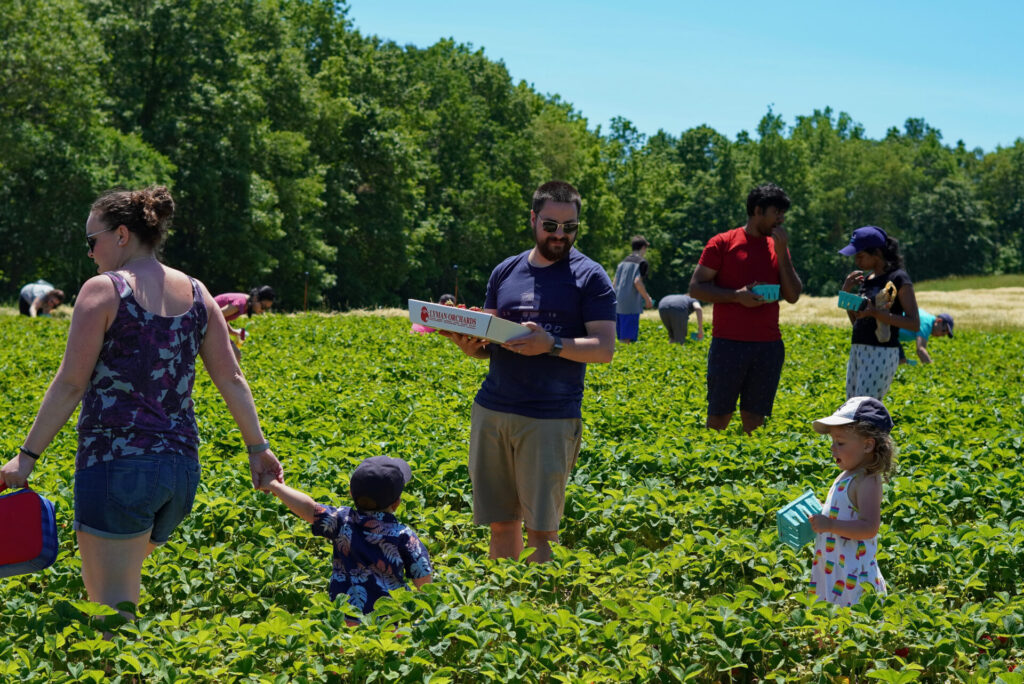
670 568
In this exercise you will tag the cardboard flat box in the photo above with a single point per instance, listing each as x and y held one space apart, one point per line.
454 319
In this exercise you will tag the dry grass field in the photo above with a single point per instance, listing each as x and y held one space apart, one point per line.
993 309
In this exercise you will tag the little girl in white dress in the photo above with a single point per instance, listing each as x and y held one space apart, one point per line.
846 546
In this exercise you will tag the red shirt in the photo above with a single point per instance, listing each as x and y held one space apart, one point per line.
740 260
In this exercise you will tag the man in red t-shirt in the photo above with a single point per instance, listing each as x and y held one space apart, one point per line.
747 352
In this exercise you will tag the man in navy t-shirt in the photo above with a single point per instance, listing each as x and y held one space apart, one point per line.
526 421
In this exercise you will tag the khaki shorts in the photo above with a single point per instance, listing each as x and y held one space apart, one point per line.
520 466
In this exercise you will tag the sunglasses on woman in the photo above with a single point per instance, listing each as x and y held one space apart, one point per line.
90 239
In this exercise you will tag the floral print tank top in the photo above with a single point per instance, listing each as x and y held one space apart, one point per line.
139 399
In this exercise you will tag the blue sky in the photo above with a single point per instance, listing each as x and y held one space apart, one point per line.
675 65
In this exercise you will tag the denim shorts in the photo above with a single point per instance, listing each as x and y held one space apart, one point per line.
748 371
135 495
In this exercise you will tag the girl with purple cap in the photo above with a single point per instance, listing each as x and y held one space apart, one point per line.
875 348
846 546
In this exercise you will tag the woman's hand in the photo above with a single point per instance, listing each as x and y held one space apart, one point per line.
872 311
265 468
853 281
15 472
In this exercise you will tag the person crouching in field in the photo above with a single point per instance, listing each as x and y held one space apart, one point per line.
930 326
846 546
373 552
233 304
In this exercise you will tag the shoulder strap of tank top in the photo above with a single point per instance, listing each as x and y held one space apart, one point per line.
851 492
120 284
197 293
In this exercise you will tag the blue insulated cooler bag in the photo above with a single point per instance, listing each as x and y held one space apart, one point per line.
28 532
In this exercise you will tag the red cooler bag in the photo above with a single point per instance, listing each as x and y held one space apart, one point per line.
28 532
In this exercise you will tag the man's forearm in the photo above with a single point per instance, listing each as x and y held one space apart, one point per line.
709 292
587 349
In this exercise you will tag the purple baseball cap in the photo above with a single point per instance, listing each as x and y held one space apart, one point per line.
857 410
867 237
948 320
378 481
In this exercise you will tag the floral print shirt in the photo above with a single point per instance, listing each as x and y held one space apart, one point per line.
373 554
139 399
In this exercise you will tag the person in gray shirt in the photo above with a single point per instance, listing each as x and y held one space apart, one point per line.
631 296
675 313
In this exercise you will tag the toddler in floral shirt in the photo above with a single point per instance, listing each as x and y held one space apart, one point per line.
373 551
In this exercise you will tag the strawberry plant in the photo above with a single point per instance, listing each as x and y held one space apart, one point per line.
670 568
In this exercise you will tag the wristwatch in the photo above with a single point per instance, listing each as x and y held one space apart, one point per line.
556 346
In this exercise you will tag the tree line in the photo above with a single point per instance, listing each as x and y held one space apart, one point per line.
302 152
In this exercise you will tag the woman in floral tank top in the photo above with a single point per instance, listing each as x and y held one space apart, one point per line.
130 360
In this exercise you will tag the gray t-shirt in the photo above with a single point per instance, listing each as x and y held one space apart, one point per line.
680 302
33 291
628 299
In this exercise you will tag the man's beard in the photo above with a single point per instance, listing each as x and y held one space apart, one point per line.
554 252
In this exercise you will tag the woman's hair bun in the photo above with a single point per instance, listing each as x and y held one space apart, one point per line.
155 204
147 212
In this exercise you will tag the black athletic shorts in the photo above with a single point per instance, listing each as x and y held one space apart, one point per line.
748 371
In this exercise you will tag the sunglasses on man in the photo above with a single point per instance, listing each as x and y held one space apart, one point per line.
568 228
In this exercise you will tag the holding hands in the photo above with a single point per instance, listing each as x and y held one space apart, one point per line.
265 469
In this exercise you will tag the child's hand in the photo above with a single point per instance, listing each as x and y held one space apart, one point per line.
820 523
269 484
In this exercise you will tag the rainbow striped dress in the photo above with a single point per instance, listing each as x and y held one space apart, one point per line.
842 565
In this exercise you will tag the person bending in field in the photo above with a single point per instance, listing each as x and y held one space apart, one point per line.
373 552
39 299
931 326
675 311
846 546
233 304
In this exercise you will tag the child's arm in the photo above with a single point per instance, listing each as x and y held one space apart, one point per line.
869 513
420 581
299 503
